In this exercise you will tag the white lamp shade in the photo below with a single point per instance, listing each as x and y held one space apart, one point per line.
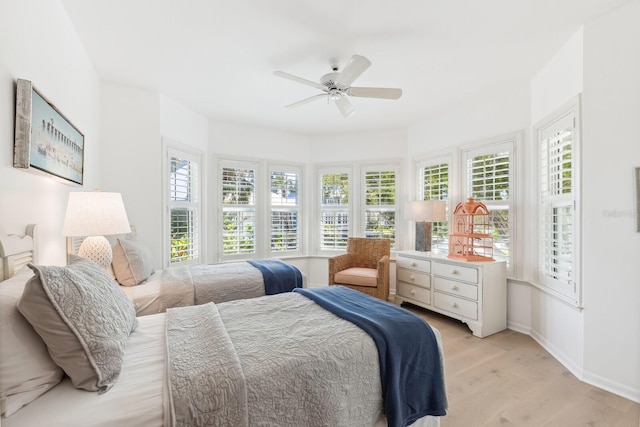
426 210
94 213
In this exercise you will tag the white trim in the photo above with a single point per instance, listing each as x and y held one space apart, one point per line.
198 156
571 107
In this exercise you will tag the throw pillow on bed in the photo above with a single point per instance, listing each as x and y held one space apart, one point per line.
83 317
132 262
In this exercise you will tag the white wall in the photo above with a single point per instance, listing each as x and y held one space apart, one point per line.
611 151
38 43
558 326
131 156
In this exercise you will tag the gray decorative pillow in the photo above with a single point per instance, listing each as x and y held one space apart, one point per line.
132 262
83 317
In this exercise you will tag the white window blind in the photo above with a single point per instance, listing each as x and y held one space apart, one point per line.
238 209
489 180
334 210
285 210
557 206
184 207
433 184
380 203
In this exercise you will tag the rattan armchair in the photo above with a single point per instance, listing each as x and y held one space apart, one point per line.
365 266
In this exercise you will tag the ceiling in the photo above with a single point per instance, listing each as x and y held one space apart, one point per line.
218 56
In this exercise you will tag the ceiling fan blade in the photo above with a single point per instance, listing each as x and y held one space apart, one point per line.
356 66
345 106
304 101
300 80
375 92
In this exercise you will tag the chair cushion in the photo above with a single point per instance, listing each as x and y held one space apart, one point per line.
358 276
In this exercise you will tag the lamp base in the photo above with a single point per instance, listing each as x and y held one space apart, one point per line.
98 250
423 236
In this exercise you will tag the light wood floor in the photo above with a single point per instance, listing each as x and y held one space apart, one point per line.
507 379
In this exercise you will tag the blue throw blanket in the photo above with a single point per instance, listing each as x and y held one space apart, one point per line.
278 276
410 367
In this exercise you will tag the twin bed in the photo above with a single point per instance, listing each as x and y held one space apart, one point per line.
293 359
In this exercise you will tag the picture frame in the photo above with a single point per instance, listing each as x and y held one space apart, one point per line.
45 140
637 175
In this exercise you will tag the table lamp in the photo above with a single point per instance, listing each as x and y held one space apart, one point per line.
94 214
424 212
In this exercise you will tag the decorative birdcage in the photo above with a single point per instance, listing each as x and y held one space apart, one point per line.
469 237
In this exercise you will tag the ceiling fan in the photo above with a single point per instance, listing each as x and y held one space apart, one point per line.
336 86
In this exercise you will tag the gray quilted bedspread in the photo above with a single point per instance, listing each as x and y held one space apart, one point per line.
285 359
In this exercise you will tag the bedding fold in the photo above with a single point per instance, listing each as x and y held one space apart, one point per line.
206 382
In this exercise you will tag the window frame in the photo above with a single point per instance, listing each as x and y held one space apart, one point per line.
364 208
171 149
427 162
224 163
320 171
509 142
570 293
298 208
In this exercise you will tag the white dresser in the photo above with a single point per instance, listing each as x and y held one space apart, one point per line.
472 292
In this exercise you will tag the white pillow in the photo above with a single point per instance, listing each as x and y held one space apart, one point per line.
132 262
26 369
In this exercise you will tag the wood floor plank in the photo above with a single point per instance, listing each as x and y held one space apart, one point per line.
508 379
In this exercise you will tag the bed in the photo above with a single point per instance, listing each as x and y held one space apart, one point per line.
293 361
153 291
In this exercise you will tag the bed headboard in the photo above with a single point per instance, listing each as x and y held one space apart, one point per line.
16 251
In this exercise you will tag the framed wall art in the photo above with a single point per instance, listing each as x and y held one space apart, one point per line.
45 140
637 171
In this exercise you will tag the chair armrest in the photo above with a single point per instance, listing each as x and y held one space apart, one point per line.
337 264
383 277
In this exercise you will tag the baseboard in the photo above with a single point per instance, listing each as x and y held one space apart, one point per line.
584 376
518 327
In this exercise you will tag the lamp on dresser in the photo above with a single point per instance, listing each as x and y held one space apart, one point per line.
424 212
95 214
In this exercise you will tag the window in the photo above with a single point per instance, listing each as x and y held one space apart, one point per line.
183 188
380 202
238 181
433 184
558 216
334 209
489 179
285 210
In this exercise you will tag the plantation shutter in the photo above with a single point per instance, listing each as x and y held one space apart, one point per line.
184 207
488 178
433 184
380 203
238 210
557 207
285 210
334 210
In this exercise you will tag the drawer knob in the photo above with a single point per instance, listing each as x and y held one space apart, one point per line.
412 277
453 271
454 288
413 264
413 292
454 305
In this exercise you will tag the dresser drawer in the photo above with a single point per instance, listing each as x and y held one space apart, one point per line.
456 288
414 292
451 271
414 277
459 306
414 264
